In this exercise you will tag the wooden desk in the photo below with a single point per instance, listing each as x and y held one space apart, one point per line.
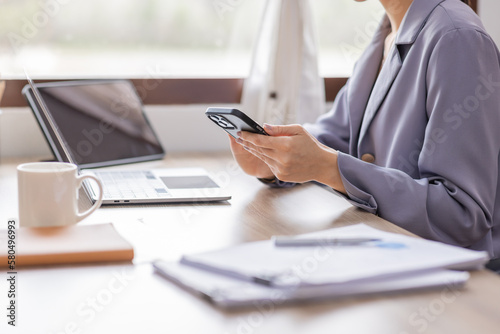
126 298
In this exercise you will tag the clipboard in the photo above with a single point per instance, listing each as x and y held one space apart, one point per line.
228 293
288 267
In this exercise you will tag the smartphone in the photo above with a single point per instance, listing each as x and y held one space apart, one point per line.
233 121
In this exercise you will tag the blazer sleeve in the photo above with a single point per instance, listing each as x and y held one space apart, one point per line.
454 198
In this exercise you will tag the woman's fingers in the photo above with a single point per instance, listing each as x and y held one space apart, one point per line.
265 155
249 162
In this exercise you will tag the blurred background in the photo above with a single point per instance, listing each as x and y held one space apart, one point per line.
163 38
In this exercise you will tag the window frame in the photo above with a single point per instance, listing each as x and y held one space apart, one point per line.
180 91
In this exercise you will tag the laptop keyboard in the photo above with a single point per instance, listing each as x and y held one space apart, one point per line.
131 185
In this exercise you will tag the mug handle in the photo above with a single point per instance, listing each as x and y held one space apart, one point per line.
97 204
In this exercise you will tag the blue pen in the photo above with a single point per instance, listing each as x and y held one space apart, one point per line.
297 242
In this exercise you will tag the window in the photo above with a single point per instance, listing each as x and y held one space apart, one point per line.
128 38
148 39
344 28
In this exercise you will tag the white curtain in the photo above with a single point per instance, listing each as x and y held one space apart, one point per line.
2 89
284 85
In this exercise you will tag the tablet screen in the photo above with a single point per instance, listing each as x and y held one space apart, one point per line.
101 122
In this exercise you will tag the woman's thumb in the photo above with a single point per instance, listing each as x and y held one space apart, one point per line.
282 130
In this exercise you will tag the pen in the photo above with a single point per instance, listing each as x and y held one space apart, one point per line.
295 242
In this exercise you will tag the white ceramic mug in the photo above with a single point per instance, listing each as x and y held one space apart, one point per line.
48 194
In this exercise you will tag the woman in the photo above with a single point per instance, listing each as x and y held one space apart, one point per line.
414 136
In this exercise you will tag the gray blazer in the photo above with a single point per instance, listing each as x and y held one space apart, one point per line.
420 144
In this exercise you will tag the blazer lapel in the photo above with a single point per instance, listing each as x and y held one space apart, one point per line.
412 24
360 86
387 75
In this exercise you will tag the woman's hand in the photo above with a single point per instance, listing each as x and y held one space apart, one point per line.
250 164
292 154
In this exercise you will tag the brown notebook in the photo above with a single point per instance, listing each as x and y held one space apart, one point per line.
67 245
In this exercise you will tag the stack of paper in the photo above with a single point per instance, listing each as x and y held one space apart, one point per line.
260 271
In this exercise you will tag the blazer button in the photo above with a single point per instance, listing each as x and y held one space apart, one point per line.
367 157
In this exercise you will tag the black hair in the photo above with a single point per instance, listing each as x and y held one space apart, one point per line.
467 2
